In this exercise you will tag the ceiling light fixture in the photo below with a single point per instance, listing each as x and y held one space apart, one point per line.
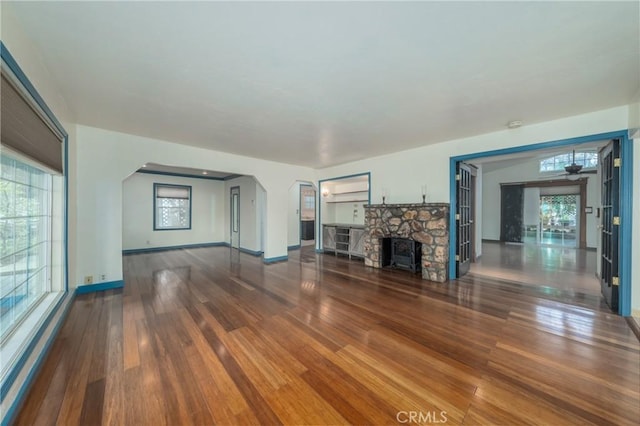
514 124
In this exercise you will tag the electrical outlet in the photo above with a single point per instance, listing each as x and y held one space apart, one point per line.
88 279
103 277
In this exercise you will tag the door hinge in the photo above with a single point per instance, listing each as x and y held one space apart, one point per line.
616 162
457 258
457 216
458 176
615 281
616 220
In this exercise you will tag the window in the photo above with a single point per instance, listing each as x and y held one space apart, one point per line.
172 207
25 239
558 162
309 202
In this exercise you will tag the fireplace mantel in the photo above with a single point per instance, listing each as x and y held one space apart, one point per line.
426 223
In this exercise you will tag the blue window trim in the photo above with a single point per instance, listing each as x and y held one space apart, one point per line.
13 373
319 194
626 195
172 185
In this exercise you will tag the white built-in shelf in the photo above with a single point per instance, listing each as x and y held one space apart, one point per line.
351 197
364 191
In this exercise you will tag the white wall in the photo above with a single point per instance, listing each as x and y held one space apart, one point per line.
634 130
207 212
250 209
529 171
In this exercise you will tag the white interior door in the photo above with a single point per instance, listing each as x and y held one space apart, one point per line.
235 216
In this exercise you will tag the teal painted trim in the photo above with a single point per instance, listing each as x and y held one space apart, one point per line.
251 252
626 224
626 194
10 414
295 247
275 259
184 175
541 145
110 285
319 241
167 248
319 251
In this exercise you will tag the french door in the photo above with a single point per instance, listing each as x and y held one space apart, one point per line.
610 192
464 217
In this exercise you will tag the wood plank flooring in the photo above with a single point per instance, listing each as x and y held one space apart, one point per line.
209 336
565 268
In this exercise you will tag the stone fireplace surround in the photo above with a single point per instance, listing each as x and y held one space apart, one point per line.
427 223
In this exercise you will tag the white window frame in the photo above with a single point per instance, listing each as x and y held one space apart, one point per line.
561 160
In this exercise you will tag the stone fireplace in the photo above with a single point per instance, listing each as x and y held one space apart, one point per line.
425 223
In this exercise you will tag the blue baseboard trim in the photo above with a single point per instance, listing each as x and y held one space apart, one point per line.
10 414
320 251
83 289
251 252
166 248
296 247
275 259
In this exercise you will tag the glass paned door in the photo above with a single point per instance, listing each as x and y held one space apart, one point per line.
558 220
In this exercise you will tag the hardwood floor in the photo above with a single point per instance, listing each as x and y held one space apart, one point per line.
564 268
210 336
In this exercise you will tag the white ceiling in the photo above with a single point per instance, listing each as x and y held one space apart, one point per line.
323 83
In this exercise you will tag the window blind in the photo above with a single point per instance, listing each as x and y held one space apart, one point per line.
163 191
24 131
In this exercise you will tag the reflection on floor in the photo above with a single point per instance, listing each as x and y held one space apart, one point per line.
557 267
307 242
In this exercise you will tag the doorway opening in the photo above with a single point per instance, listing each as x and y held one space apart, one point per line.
307 210
562 224
234 193
557 221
